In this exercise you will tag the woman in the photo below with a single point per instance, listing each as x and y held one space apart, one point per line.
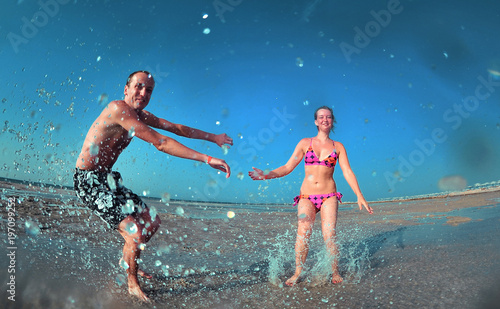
318 192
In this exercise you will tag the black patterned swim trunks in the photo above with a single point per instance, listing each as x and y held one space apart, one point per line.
105 195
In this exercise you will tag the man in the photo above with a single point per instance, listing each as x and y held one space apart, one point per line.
101 189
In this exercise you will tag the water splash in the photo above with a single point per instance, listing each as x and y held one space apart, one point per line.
279 254
129 207
32 228
131 228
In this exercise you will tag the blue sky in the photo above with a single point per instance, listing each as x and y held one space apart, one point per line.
417 102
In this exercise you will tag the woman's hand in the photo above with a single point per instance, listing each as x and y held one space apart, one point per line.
257 174
362 203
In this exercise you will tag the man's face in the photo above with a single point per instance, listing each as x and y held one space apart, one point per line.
138 91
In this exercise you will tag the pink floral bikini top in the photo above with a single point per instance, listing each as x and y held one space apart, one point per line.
311 158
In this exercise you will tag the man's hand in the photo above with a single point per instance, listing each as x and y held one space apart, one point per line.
220 165
222 139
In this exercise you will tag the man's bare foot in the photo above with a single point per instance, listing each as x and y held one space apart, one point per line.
144 274
140 272
336 278
292 281
136 291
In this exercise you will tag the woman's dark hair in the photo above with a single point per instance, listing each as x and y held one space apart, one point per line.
133 73
331 111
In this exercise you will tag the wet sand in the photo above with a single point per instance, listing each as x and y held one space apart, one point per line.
436 252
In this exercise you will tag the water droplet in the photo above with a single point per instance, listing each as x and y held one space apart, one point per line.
452 183
240 175
102 99
165 197
129 207
94 150
98 58
131 228
120 279
141 247
145 192
206 31
299 62
164 269
179 211
32 228
131 132
225 149
230 214
158 263
212 183
217 123
494 74
123 264
111 182
153 212
163 249
306 103
205 16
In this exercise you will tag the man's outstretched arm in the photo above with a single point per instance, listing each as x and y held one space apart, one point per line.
130 120
185 131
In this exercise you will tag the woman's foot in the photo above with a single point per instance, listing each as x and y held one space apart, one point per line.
336 278
292 281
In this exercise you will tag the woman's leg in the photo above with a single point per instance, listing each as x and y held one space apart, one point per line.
306 214
329 212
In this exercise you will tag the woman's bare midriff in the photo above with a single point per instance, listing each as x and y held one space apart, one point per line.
318 180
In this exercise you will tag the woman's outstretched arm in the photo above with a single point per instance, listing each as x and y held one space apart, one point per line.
283 170
350 177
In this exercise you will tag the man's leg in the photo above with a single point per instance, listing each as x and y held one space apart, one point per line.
132 231
151 224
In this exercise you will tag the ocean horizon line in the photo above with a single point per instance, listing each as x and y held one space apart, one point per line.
477 188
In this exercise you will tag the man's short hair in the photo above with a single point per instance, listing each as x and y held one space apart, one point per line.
141 71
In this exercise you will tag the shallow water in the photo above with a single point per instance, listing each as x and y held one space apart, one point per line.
399 257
